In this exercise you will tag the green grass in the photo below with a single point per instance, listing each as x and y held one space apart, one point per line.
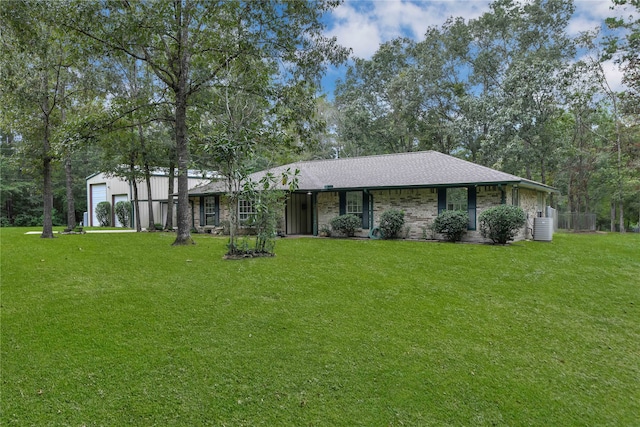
124 329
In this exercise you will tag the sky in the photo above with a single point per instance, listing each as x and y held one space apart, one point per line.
363 25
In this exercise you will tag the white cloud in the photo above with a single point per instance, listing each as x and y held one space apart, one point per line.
614 76
364 25
590 14
356 31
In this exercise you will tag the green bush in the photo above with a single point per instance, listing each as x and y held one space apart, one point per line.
501 223
123 212
103 213
391 223
24 220
453 224
4 222
346 224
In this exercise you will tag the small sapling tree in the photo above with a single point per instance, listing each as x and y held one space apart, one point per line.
268 198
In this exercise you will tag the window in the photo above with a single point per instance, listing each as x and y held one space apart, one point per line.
245 210
457 199
354 203
515 196
210 210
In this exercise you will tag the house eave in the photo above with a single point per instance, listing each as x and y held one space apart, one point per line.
521 183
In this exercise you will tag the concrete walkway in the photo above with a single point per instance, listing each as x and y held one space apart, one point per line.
88 231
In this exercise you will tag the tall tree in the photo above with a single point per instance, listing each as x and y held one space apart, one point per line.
518 57
624 47
379 102
188 44
35 60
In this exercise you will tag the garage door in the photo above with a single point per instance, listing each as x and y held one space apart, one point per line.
98 194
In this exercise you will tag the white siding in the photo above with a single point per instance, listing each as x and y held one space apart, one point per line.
110 188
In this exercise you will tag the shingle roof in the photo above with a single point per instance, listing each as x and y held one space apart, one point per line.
417 169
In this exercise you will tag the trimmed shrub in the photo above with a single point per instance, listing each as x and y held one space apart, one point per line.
391 223
103 213
346 224
123 212
501 223
453 224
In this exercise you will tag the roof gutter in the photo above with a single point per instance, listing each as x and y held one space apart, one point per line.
521 183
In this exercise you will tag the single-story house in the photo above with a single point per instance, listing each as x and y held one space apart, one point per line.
422 184
103 187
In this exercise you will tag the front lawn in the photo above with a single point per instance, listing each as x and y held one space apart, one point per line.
124 329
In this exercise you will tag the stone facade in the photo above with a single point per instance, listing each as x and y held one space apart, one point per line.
328 207
420 206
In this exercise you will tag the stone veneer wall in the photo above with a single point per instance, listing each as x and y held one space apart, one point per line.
420 206
328 205
528 203
224 213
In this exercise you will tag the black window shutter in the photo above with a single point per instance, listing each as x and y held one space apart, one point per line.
442 200
343 202
202 218
217 210
365 210
471 206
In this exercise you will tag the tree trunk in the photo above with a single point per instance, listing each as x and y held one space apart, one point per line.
169 222
182 143
47 190
151 226
184 227
613 216
147 177
621 212
136 201
71 208
47 222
